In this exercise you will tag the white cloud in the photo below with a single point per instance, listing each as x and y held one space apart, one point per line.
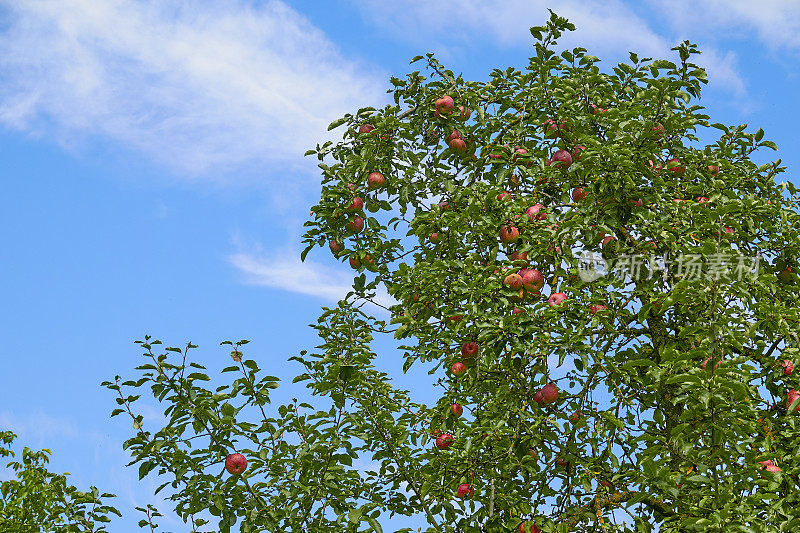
201 87
603 27
283 270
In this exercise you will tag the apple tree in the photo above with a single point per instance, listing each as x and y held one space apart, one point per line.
606 305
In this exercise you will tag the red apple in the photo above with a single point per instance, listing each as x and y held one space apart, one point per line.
456 409
579 193
714 169
702 200
375 180
458 145
788 367
235 463
658 129
356 205
356 224
444 105
595 109
791 398
434 237
456 318
517 311
335 247
550 393
594 308
444 206
676 167
444 441
518 256
366 128
562 462
576 152
536 212
513 281
509 234
463 112
352 186
769 466
561 158
574 417
556 299
458 369
454 135
533 529
607 240
355 262
465 490
533 453
533 280
470 350
606 484
654 166
504 194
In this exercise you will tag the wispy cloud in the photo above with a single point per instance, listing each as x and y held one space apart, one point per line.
608 27
201 87
283 270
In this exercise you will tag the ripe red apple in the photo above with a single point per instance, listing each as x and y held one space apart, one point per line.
355 262
788 367
658 129
465 490
463 112
513 281
594 308
595 109
444 441
552 127
470 350
533 453
702 200
714 169
356 224
676 167
458 146
574 417
562 462
791 398
454 135
654 166
536 212
356 205
375 180
456 409
366 128
509 234
533 280
606 484
434 237
579 193
456 318
637 203
504 194
769 466
458 369
352 186
335 247
561 158
533 529
549 393
518 256
517 311
556 299
444 105
576 152
235 463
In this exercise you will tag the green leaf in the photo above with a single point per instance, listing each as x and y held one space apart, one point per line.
336 123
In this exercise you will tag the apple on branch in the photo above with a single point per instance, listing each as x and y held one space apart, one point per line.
235 463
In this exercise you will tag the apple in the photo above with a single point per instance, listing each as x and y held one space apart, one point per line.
456 318
607 240
574 417
576 152
533 453
728 230
788 367
352 186
707 359
676 167
465 490
517 311
434 237
375 180
509 234
637 203
503 195
714 169
444 105
518 256
356 224
561 158
594 308
785 275
556 299
513 281
355 262
456 409
235 463
335 247
552 127
579 193
444 206
658 129
606 484
562 462
536 212
769 466
791 398
444 441
533 529
653 166
550 393
458 146
356 205
702 200
458 369
463 112
366 128
595 109
533 280
454 135
470 350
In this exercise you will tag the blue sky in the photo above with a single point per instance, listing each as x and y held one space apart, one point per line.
153 178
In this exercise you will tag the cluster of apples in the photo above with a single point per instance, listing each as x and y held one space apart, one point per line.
446 106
